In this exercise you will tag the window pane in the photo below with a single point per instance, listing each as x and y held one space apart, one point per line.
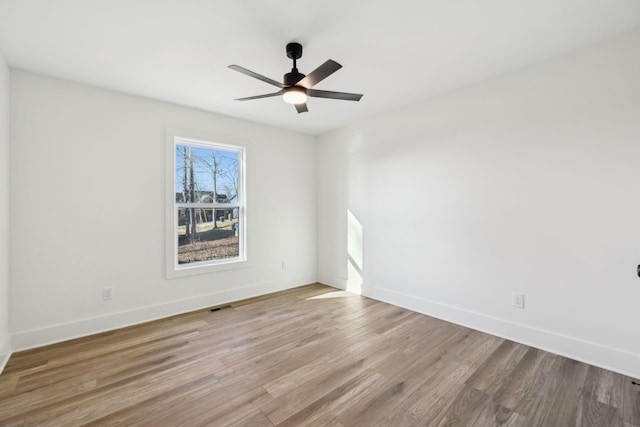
207 234
206 175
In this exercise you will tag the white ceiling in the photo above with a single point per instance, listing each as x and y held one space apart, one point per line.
394 51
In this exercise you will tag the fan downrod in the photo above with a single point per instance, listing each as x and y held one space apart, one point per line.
294 51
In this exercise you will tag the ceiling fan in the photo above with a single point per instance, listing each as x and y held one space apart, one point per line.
297 87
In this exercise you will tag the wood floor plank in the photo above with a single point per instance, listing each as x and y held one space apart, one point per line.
322 365
474 348
514 387
604 386
568 392
288 405
229 413
85 407
404 375
8 383
594 413
541 385
325 409
160 405
464 407
82 348
426 405
309 356
491 375
101 366
631 402
104 376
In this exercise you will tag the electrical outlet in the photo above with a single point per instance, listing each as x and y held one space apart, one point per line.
284 264
517 300
107 293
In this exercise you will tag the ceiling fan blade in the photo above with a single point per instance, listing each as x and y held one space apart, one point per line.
319 74
256 75
334 95
268 95
302 108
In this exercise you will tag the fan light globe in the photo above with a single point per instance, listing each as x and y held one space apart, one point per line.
294 95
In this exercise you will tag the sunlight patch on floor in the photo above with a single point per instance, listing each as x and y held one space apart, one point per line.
335 294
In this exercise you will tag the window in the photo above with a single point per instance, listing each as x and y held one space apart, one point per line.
207 212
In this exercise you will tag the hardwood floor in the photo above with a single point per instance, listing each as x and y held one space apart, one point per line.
307 356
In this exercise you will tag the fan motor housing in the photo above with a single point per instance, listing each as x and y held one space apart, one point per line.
290 79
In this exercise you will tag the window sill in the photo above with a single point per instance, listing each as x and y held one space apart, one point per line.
206 268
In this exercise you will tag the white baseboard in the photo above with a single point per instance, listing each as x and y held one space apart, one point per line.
5 352
334 282
25 340
602 356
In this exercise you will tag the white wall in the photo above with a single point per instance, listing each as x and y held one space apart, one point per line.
528 182
87 207
5 342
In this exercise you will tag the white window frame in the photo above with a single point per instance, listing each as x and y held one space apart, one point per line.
173 268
